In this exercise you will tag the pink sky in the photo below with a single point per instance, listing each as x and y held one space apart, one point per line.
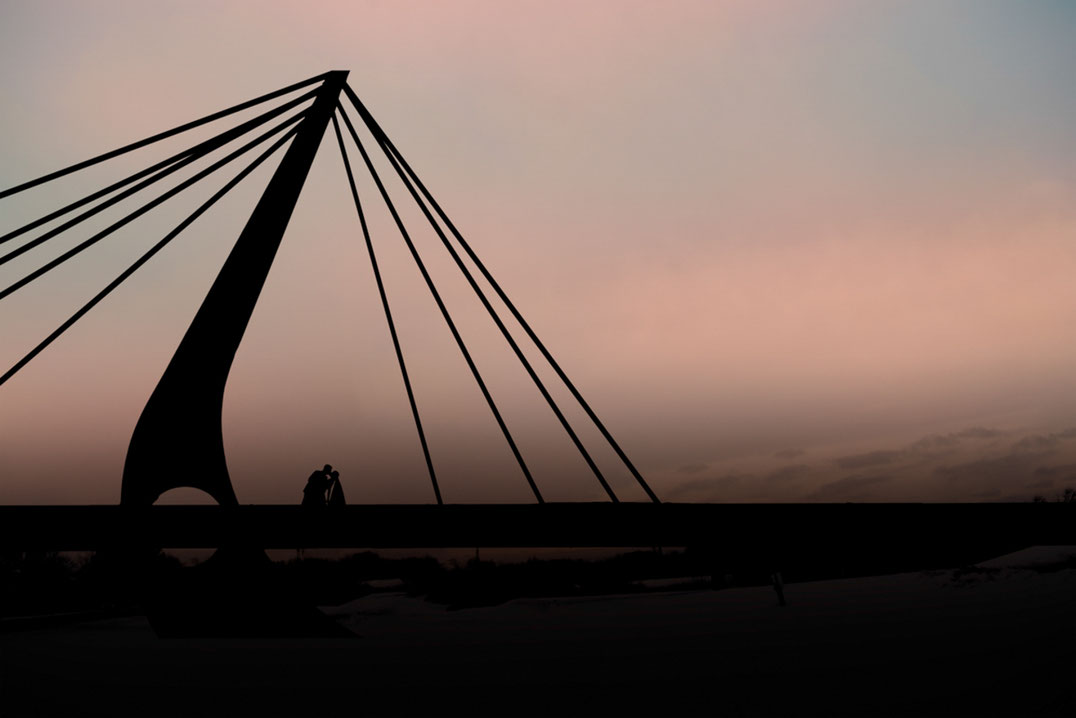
789 251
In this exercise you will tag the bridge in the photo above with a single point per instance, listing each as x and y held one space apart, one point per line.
861 537
178 440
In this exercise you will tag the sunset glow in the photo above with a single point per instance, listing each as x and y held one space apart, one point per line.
788 251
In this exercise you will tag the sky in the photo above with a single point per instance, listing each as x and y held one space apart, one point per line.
788 251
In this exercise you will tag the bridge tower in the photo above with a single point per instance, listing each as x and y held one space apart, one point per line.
178 440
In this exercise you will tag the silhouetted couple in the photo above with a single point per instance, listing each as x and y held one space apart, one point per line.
323 488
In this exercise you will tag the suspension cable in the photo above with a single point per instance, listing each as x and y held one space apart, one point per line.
160 136
500 324
146 257
171 164
388 312
380 134
147 207
441 305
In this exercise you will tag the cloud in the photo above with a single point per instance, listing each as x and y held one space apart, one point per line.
1020 468
1011 467
1068 469
977 463
937 444
711 487
934 444
926 449
871 458
1049 476
787 473
978 432
848 487
1043 442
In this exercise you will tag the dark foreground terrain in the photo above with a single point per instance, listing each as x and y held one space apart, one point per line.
996 639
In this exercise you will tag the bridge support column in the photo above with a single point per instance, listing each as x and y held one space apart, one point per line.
178 440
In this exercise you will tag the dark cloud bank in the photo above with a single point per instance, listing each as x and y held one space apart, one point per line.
974 464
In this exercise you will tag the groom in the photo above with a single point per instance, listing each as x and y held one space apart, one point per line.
316 487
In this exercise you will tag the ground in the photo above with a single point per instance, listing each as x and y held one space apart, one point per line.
999 639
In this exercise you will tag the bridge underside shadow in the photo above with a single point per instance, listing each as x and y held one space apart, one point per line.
239 592
781 529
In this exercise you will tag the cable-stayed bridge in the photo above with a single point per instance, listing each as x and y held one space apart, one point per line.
178 440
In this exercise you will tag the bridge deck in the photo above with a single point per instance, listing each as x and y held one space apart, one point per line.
732 527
